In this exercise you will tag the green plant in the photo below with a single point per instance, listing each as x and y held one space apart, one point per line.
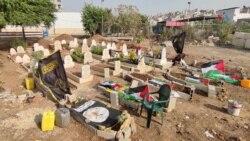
166 34
243 27
138 39
38 55
77 55
190 32
133 57
97 50
18 42
121 57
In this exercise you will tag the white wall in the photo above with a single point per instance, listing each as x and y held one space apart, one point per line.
68 20
234 14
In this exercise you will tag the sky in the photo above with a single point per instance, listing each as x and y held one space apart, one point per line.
152 7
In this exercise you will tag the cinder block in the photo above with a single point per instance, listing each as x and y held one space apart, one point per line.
237 42
239 35
211 91
247 36
108 135
247 45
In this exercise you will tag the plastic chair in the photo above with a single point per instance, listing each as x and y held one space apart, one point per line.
156 106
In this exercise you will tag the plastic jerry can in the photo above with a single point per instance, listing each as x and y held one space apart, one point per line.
245 83
48 121
62 117
30 84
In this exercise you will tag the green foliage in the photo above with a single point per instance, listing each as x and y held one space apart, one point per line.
77 55
224 28
97 50
166 34
27 12
38 55
138 39
18 42
92 18
190 32
121 57
2 20
243 27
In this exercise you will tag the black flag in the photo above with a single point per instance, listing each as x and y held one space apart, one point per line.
52 74
178 42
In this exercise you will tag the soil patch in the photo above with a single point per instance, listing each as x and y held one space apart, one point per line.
65 37
45 42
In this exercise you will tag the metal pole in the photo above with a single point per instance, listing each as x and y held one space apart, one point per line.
189 3
102 16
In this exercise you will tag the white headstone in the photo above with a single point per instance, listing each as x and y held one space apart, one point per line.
141 64
72 44
134 84
40 48
26 59
13 52
117 65
88 57
103 44
163 56
46 53
125 50
20 49
35 45
57 45
18 59
76 42
114 99
93 43
85 47
105 54
106 73
113 47
109 46
85 41
71 51
63 42
85 71
68 62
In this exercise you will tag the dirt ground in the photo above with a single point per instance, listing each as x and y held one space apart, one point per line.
188 122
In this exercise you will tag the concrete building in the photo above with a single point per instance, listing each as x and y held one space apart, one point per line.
58 4
234 13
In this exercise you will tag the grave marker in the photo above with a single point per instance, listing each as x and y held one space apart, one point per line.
63 42
20 50
72 44
113 47
109 46
26 59
124 50
68 62
57 45
46 53
18 59
105 54
163 56
86 75
106 73
93 43
118 69
88 57
85 48
12 52
103 44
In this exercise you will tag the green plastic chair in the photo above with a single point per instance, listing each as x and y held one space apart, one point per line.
156 106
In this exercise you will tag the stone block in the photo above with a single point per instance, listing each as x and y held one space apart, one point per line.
133 125
239 35
134 84
114 99
247 36
239 42
108 135
172 104
211 91
247 45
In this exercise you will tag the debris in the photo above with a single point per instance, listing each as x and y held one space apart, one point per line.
208 135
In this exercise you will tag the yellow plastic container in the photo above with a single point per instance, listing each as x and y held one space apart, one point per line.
245 83
30 84
48 121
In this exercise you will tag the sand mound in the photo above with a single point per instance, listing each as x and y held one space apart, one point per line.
64 37
45 42
97 38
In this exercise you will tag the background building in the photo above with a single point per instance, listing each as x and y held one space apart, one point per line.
235 13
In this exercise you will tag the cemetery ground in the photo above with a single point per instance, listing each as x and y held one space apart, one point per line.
189 121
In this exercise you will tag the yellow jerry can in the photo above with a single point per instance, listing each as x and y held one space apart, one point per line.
48 121
245 83
30 84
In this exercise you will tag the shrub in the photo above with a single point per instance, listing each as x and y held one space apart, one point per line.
97 50
18 42
77 55
133 57
38 55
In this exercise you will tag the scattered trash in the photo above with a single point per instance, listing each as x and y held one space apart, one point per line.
245 83
234 107
208 135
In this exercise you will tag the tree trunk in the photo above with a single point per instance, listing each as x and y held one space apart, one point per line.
24 37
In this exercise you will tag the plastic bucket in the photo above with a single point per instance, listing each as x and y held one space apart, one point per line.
30 83
234 107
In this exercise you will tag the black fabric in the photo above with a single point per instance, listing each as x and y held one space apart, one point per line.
178 42
205 65
109 122
137 89
52 74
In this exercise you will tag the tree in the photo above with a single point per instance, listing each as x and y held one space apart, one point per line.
2 21
28 12
92 18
